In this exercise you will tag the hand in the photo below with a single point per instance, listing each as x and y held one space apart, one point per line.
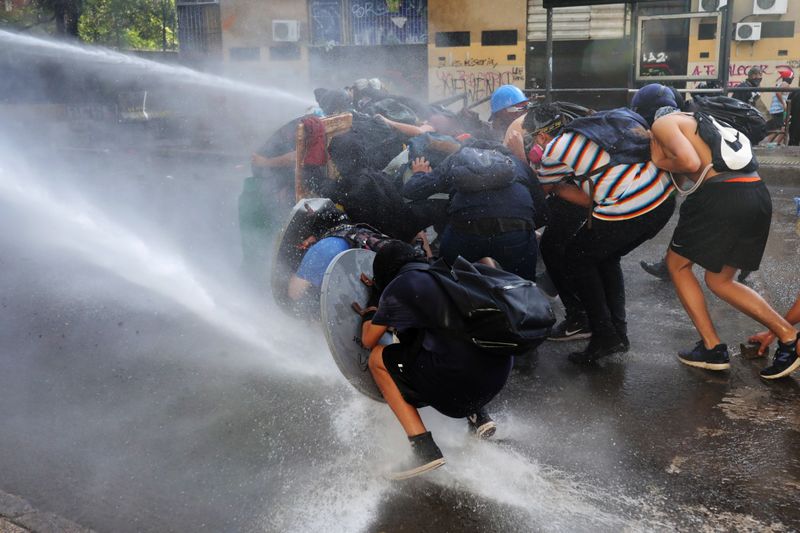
364 313
420 164
764 339
374 295
259 160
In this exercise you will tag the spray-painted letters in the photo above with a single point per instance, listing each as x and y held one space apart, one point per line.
478 82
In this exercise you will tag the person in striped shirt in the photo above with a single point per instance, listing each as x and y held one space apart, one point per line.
628 204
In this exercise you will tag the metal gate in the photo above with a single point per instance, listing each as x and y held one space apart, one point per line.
199 27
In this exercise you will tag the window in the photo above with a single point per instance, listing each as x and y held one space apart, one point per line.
245 54
706 32
777 29
446 39
499 38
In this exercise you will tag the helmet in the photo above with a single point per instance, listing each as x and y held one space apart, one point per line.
652 97
785 72
506 96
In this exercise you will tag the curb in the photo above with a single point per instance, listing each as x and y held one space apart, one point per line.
18 516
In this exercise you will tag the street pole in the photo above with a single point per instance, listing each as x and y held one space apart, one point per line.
725 45
548 75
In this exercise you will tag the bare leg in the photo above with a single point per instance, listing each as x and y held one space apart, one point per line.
406 413
749 302
691 296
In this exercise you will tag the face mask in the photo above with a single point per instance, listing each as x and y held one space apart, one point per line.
535 154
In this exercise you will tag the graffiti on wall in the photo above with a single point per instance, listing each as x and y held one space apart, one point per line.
477 81
737 72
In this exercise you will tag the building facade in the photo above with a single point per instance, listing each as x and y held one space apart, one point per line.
436 48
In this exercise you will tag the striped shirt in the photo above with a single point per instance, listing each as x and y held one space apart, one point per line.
620 192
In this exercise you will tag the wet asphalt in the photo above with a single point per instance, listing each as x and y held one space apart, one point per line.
125 411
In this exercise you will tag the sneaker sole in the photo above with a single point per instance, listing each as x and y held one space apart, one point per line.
791 368
575 337
706 366
486 431
433 465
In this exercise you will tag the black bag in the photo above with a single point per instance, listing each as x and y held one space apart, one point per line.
497 311
736 114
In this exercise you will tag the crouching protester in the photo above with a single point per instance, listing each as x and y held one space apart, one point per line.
723 226
495 205
628 201
428 367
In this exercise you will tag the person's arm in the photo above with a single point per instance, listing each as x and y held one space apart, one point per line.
297 287
411 130
571 193
371 334
425 181
671 150
284 160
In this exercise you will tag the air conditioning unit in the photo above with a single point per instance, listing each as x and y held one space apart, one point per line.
707 6
748 31
770 7
285 31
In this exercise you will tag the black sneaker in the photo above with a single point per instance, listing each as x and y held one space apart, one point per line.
426 456
785 361
701 357
570 330
598 348
481 424
657 269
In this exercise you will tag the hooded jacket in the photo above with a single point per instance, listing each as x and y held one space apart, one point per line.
508 185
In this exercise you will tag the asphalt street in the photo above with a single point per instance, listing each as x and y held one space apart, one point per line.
145 388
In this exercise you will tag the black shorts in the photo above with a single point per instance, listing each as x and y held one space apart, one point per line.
724 224
396 358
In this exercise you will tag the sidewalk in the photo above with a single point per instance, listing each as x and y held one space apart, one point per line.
18 516
779 165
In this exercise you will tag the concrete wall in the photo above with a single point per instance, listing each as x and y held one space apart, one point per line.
247 25
475 69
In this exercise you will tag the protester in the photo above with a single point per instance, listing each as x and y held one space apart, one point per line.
629 204
777 110
723 226
565 216
428 367
508 103
753 81
368 196
491 212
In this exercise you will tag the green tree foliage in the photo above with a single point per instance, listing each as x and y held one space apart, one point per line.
52 16
129 24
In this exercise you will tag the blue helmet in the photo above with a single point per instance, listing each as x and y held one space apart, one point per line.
506 96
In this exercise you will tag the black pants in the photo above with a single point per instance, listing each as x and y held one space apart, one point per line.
563 223
593 265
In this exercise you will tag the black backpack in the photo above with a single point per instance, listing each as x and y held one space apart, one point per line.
736 114
500 312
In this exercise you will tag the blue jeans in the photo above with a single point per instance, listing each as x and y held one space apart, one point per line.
516 251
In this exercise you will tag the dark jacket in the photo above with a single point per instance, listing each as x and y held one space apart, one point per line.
509 192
